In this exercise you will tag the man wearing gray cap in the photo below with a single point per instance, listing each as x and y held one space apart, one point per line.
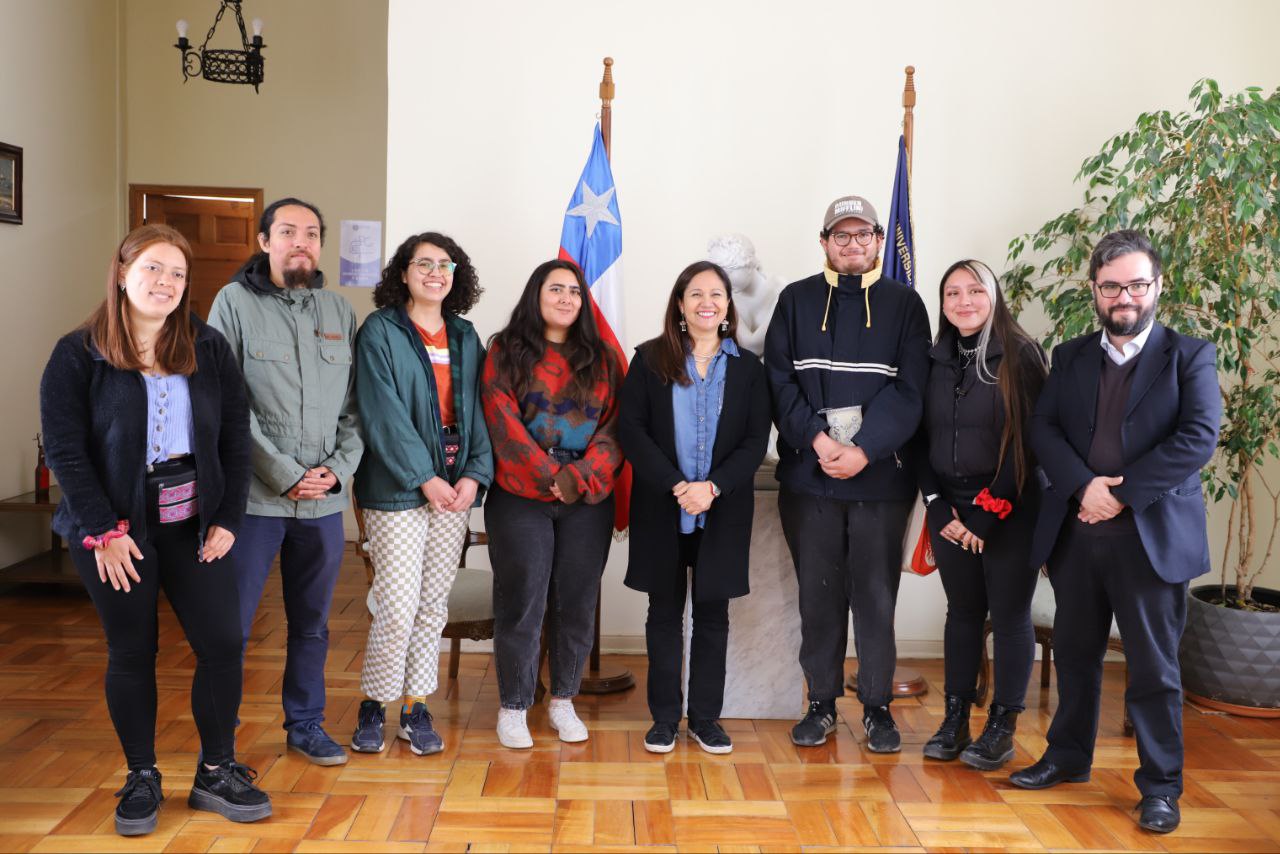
847 359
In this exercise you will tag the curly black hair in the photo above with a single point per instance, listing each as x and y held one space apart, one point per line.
462 297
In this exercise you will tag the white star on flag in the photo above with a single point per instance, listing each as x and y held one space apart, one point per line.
594 209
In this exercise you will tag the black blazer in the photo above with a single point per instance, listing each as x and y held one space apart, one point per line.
94 419
1169 433
646 430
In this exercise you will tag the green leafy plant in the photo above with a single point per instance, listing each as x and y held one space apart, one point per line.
1203 185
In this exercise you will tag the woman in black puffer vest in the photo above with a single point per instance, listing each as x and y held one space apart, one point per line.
982 497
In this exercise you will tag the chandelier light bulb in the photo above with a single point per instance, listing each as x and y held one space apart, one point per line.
257 26
182 28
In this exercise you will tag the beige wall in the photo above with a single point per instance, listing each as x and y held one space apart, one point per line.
58 63
316 130
751 117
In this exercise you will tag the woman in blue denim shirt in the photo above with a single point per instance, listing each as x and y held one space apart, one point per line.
694 422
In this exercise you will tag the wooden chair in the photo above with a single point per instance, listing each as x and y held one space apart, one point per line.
1043 607
470 599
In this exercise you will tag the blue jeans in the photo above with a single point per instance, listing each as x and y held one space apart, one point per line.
310 556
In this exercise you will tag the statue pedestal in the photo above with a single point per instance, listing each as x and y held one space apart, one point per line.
763 677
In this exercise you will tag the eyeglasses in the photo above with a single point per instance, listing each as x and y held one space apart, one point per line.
863 237
1137 288
426 266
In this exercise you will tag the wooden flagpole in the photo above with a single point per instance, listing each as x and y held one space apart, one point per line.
908 117
594 681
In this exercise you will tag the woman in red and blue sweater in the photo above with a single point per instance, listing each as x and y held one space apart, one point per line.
550 401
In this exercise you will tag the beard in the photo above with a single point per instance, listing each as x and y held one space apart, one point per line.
1121 328
298 277
853 265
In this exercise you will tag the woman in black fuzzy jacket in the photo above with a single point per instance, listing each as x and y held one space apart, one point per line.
976 474
146 425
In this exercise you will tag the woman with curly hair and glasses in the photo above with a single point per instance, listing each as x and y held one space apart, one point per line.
427 462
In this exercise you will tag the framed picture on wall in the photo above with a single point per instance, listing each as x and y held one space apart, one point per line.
10 183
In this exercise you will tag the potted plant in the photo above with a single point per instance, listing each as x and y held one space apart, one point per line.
1203 185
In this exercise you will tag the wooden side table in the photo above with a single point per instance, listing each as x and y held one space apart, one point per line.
48 567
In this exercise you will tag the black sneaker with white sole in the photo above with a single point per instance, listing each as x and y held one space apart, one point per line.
139 807
818 723
661 737
229 791
710 736
882 732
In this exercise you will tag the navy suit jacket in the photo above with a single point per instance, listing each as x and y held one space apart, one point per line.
1169 433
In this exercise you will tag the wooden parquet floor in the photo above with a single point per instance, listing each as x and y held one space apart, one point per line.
60 764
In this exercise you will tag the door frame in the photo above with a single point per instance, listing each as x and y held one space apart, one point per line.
137 191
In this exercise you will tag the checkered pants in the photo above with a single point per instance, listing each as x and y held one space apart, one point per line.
415 559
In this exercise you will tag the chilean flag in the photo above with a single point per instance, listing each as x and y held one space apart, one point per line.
592 239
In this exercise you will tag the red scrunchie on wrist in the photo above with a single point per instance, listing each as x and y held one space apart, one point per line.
1001 507
121 528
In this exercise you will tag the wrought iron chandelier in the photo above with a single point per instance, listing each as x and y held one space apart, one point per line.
224 66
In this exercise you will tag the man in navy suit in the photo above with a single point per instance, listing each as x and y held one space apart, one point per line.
1127 419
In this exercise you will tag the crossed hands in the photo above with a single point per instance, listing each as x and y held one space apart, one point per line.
955 532
693 498
316 483
838 461
444 498
1098 504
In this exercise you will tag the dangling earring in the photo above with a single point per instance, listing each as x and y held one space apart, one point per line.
684 327
724 327
122 287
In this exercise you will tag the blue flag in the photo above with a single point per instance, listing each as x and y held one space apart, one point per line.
900 254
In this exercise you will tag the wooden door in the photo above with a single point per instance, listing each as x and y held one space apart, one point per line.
221 223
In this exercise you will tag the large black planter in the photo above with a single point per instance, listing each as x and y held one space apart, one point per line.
1231 656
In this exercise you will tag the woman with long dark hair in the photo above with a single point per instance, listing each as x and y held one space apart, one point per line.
695 424
977 478
426 463
550 397
146 425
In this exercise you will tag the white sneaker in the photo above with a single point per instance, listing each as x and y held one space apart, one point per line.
565 720
513 731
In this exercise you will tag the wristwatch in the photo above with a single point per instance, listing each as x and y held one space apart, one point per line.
715 490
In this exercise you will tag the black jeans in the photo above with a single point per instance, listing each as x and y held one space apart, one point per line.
1097 573
664 639
544 551
999 581
206 601
848 556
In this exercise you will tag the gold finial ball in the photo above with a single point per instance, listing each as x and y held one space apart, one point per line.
608 60
911 69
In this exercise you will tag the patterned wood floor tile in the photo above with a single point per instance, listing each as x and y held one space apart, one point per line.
60 765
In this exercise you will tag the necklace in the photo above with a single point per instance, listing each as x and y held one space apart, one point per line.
966 355
704 359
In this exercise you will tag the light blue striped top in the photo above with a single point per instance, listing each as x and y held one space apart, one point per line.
168 417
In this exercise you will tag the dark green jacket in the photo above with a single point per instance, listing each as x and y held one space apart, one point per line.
400 415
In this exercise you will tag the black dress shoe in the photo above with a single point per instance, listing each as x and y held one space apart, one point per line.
1046 773
1159 813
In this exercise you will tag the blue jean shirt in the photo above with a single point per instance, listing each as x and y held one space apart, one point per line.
697 415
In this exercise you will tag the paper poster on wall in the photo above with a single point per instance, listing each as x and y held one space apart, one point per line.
360 253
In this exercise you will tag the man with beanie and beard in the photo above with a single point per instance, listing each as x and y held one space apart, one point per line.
847 355
294 342
1128 417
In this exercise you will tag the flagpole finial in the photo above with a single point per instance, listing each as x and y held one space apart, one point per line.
606 105
908 105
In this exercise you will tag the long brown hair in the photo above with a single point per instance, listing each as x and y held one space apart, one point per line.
1022 360
522 342
665 354
108 326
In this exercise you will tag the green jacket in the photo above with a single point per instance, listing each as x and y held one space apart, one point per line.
294 347
400 413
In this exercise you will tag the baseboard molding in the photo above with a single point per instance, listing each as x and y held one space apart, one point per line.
634 645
